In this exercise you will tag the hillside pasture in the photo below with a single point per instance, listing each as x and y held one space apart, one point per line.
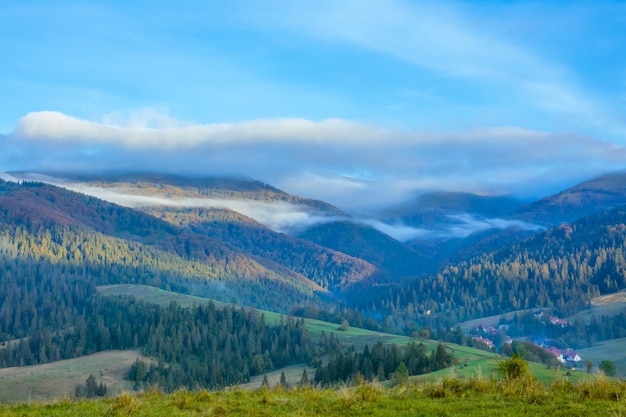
604 305
59 379
613 350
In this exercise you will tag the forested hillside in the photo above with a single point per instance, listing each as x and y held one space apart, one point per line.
113 244
561 268
56 246
391 256
332 270
589 197
50 311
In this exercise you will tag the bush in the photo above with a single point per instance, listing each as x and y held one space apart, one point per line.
514 368
607 367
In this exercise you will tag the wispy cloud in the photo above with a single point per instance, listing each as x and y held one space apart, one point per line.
469 224
457 41
465 225
398 231
278 216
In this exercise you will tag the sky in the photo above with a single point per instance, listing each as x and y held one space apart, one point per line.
357 102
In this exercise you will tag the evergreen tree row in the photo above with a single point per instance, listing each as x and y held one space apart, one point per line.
382 362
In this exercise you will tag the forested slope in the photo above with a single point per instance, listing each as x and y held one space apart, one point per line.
392 257
114 244
333 270
563 268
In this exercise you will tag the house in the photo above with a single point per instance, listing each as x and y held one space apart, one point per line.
559 322
565 355
487 342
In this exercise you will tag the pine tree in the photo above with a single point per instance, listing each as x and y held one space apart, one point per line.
91 387
102 390
304 380
283 380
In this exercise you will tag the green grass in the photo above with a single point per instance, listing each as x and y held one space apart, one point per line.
490 320
450 397
487 367
58 379
613 350
155 295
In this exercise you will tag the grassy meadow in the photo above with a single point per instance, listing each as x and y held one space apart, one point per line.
59 379
448 397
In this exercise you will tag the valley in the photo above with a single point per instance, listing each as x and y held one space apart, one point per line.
166 251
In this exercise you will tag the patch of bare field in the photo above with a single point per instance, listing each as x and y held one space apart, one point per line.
618 297
59 379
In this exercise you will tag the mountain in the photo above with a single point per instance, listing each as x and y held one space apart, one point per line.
173 188
183 204
593 196
435 210
452 226
331 269
361 241
207 207
561 268
119 244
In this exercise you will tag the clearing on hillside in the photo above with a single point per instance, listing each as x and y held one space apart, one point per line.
58 379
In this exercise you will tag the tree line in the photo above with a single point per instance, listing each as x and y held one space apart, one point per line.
382 363
50 312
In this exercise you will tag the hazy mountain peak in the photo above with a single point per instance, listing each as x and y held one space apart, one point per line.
592 196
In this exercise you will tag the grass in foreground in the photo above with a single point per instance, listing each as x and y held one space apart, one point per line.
449 397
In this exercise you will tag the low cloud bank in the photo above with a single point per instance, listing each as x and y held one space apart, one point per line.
398 231
281 216
287 218
471 224
349 164
278 216
467 225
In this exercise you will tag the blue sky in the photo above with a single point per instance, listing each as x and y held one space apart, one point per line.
329 99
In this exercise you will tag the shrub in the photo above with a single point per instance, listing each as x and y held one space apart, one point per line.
514 368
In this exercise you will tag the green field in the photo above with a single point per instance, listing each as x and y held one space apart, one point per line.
614 350
59 379
604 305
450 397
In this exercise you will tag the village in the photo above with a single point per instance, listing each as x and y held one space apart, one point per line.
493 338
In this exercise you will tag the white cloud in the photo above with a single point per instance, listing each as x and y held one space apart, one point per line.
398 231
472 224
8 177
346 163
137 131
278 216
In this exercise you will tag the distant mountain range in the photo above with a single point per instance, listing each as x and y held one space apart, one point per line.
598 194
241 239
